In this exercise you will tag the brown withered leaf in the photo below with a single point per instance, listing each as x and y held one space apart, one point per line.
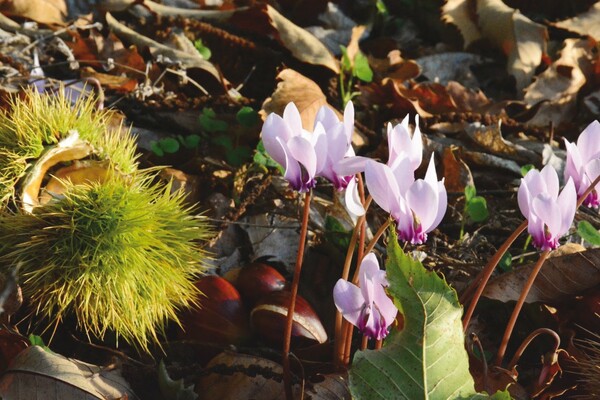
561 277
395 67
119 83
451 66
428 98
491 139
467 100
297 88
457 174
36 373
461 13
559 85
584 24
43 11
231 376
265 21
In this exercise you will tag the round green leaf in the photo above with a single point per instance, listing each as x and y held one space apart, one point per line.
477 209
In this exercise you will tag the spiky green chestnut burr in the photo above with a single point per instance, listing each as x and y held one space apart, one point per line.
120 255
32 124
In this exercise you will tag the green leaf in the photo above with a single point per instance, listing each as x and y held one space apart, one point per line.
169 145
336 234
470 192
427 359
209 123
173 389
156 149
238 156
362 70
588 233
505 263
191 141
247 117
477 209
224 141
345 62
202 49
526 168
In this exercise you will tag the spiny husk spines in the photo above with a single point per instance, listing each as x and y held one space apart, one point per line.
121 256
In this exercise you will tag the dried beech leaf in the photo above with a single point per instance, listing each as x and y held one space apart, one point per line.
231 376
395 67
490 138
427 98
560 83
467 99
522 40
43 11
188 60
266 21
295 87
453 66
585 23
458 12
39 374
457 174
561 277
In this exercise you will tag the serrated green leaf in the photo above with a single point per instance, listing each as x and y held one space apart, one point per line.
470 192
247 117
169 145
588 233
362 70
427 359
477 209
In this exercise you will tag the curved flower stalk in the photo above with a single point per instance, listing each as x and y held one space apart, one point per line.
302 153
367 307
550 215
583 162
418 206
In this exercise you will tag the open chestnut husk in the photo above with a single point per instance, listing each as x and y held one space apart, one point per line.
268 320
221 316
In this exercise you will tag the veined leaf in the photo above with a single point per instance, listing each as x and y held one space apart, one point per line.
427 359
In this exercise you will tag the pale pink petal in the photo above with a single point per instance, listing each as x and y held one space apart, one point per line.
550 178
348 300
442 205
574 164
589 142
524 198
399 144
592 171
546 209
385 305
326 116
567 203
351 166
423 201
369 268
291 115
319 140
293 172
417 145
301 150
352 199
337 144
349 121
275 129
403 173
382 185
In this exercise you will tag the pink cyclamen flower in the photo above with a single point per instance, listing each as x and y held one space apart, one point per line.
583 163
549 214
418 206
367 307
401 145
301 153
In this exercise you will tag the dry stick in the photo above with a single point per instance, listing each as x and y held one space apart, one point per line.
517 310
513 362
486 273
287 336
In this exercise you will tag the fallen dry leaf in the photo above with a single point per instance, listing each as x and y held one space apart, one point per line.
43 11
457 174
36 373
491 139
466 99
452 66
264 20
297 88
584 24
559 85
395 67
561 277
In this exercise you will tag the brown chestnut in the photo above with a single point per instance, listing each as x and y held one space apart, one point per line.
268 320
221 317
256 280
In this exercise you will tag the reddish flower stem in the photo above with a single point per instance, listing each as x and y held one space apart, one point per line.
513 362
287 336
517 310
364 343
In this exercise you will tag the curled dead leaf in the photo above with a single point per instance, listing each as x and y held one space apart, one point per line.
43 11
584 24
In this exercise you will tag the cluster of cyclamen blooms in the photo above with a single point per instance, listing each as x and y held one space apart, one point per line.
417 206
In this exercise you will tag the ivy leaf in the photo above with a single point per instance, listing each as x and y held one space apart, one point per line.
156 149
427 359
470 192
169 145
191 141
588 233
210 123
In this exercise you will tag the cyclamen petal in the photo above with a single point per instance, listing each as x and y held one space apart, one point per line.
579 158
